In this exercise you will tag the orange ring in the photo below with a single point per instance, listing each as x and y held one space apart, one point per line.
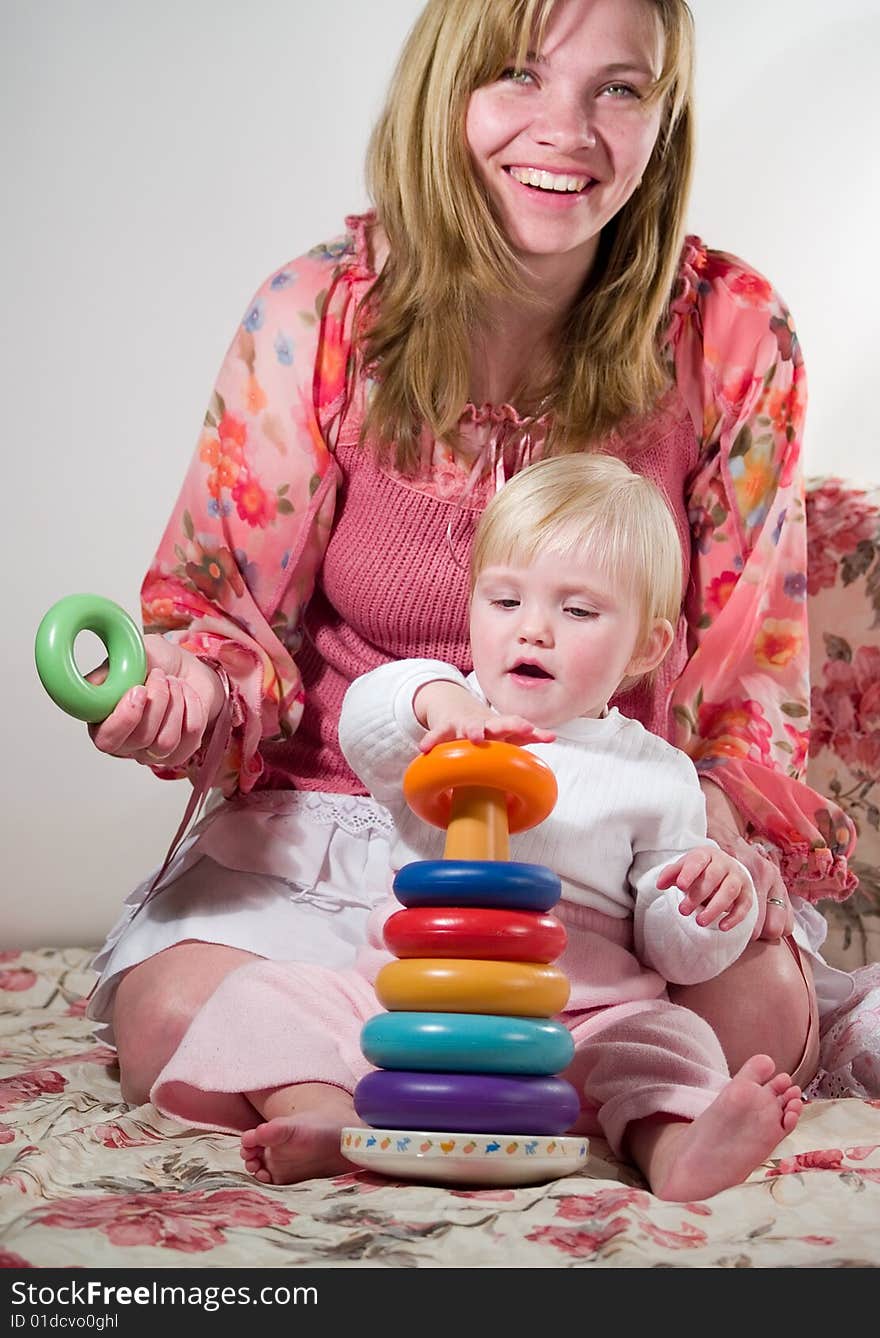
463 985
528 783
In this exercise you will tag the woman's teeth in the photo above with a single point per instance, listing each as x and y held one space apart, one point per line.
530 176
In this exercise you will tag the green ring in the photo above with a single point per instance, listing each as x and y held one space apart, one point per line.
57 667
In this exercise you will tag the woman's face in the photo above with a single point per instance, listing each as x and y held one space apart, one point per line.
561 145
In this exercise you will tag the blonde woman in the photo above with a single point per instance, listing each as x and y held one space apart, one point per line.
523 288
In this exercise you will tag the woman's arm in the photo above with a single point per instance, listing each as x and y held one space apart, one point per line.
741 705
238 559
726 826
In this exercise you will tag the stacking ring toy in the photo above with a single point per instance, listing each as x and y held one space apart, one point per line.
466 1043
461 985
467 1053
479 793
466 882
57 666
474 931
466 1101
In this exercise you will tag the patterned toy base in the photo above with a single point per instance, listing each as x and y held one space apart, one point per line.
464 1159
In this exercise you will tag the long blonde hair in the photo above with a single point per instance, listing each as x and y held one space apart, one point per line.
447 252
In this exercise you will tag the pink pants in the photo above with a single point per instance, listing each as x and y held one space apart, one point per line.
276 1024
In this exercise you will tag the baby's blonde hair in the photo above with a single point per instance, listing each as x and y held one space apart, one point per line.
589 506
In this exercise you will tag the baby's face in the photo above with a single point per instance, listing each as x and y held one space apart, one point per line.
552 640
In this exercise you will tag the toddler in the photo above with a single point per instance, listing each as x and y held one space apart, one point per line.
576 587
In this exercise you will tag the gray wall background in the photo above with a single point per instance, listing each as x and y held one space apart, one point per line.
158 161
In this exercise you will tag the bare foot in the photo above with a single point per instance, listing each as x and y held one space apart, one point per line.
302 1144
721 1147
300 1137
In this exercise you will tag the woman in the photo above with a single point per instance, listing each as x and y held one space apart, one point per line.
523 288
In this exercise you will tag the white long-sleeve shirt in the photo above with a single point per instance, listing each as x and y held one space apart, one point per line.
629 804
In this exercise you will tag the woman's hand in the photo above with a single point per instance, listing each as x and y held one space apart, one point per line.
163 721
449 711
775 915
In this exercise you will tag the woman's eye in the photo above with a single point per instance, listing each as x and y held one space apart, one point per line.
621 91
514 76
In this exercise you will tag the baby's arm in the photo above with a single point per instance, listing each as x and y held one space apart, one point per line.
451 711
382 726
676 868
379 733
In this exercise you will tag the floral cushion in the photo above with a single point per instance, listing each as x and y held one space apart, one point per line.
843 585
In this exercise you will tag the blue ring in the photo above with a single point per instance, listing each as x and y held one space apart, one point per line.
470 882
466 1043
466 1102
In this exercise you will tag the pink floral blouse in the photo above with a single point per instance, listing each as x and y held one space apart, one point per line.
240 555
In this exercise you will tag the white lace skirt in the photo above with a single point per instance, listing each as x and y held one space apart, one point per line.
293 875
288 875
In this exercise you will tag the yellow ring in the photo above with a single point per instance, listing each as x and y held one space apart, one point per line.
528 783
465 985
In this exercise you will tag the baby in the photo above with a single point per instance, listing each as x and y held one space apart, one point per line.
576 587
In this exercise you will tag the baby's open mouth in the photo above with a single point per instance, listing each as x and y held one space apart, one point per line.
530 671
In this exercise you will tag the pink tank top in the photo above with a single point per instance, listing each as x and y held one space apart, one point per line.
394 585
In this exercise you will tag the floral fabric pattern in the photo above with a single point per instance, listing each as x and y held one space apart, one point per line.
742 704
239 558
88 1182
843 529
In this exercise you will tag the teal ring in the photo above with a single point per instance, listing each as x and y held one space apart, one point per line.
56 665
466 1043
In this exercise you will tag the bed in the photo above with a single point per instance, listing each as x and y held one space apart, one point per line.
89 1182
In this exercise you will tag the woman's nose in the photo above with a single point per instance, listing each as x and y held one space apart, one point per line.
564 124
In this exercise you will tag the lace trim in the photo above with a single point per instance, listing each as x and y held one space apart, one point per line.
355 814
495 452
495 414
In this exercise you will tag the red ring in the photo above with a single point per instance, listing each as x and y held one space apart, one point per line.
475 931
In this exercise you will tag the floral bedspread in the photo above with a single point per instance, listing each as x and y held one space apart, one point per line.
88 1182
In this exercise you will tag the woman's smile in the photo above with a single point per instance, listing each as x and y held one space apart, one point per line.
549 190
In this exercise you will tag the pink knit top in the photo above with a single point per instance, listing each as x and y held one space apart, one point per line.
401 590
293 563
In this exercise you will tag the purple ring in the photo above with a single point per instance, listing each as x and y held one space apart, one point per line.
466 1102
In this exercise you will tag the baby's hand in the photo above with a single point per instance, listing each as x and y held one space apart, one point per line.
163 721
448 711
509 728
711 879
